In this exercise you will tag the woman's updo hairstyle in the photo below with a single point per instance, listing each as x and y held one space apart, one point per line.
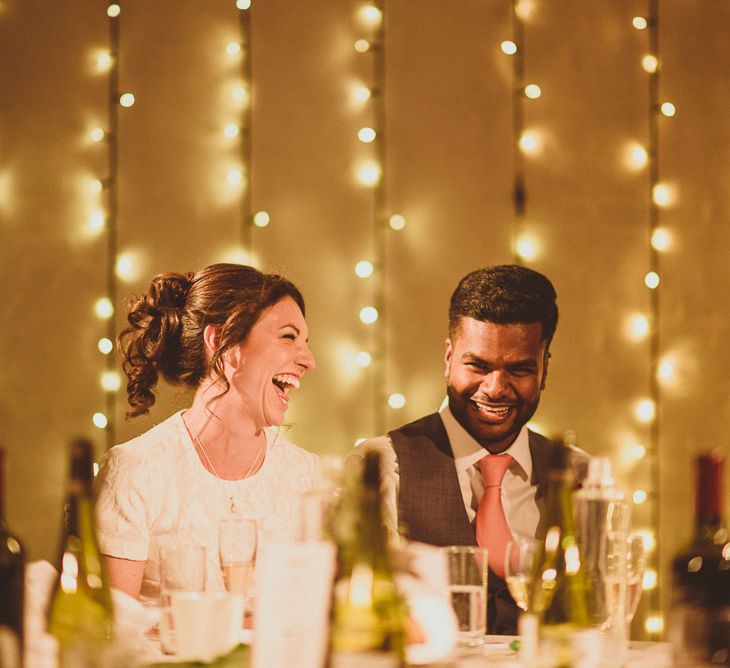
166 325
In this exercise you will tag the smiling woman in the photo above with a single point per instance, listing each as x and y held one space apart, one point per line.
239 338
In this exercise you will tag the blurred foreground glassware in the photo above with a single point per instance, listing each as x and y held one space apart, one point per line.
237 544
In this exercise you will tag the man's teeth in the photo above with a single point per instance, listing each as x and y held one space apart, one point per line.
285 380
496 410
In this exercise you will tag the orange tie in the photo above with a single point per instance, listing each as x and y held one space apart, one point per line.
491 524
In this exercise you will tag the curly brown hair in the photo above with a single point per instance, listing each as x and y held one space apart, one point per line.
166 325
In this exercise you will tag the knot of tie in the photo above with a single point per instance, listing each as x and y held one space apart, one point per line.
493 468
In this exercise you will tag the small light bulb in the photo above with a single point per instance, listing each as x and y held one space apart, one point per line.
239 94
105 346
663 194
529 142
645 410
654 624
508 47
650 63
261 218
233 48
668 109
527 247
370 15
103 308
639 22
125 267
524 9
99 420
113 10
397 222
651 280
96 222
648 538
368 315
95 187
231 131
243 4
638 327
361 93
639 496
362 46
363 359
396 400
97 134
636 156
366 135
364 268
234 177
533 91
661 239
635 451
111 381
368 173
127 100
665 370
103 61
650 579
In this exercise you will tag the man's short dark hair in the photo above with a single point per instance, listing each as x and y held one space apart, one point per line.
505 295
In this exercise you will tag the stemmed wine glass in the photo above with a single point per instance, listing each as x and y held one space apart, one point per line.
237 541
624 565
519 569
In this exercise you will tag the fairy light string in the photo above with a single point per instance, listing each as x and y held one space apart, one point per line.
247 218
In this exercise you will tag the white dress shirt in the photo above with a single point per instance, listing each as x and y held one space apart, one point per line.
518 495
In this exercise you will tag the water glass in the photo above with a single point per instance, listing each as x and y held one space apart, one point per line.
467 574
182 571
237 542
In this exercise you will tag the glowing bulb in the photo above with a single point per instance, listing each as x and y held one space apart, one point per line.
96 222
533 91
370 15
650 63
97 134
364 268
635 452
368 315
234 177
636 156
111 381
233 48
639 22
261 219
529 142
105 346
95 187
525 9
368 173
362 46
239 94
645 410
639 496
125 268
231 131
397 222
363 359
668 109
638 326
661 239
654 624
366 135
650 579
104 308
648 538
243 4
113 10
99 420
663 194
508 47
361 94
527 247
396 400
651 280
103 61
665 370
127 100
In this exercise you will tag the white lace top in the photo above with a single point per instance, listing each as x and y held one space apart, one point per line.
155 485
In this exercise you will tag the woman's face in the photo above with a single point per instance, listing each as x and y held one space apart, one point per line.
264 369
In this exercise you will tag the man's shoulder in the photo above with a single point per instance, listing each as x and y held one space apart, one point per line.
542 447
423 425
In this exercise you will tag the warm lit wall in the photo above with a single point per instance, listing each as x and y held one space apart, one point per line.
449 170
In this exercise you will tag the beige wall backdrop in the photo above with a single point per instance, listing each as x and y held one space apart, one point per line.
448 140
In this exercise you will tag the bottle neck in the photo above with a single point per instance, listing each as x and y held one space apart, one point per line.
708 494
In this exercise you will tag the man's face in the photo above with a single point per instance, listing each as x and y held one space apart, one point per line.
495 374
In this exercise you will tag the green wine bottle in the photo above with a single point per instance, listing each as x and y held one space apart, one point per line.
559 595
80 613
12 568
368 616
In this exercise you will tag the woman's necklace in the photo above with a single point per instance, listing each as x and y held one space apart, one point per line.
233 506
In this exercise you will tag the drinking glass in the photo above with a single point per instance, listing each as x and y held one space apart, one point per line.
467 572
625 561
635 565
237 541
519 569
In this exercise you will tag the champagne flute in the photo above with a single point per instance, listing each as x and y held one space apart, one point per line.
635 565
624 571
237 541
519 569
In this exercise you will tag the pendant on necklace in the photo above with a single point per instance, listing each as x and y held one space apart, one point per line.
234 507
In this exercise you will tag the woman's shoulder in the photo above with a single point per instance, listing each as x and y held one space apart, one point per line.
286 456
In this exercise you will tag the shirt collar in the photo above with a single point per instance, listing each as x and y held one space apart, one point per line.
467 452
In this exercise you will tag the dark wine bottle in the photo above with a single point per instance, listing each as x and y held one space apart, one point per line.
699 622
80 613
12 569
368 616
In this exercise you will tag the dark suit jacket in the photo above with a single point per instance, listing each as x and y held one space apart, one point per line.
431 507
